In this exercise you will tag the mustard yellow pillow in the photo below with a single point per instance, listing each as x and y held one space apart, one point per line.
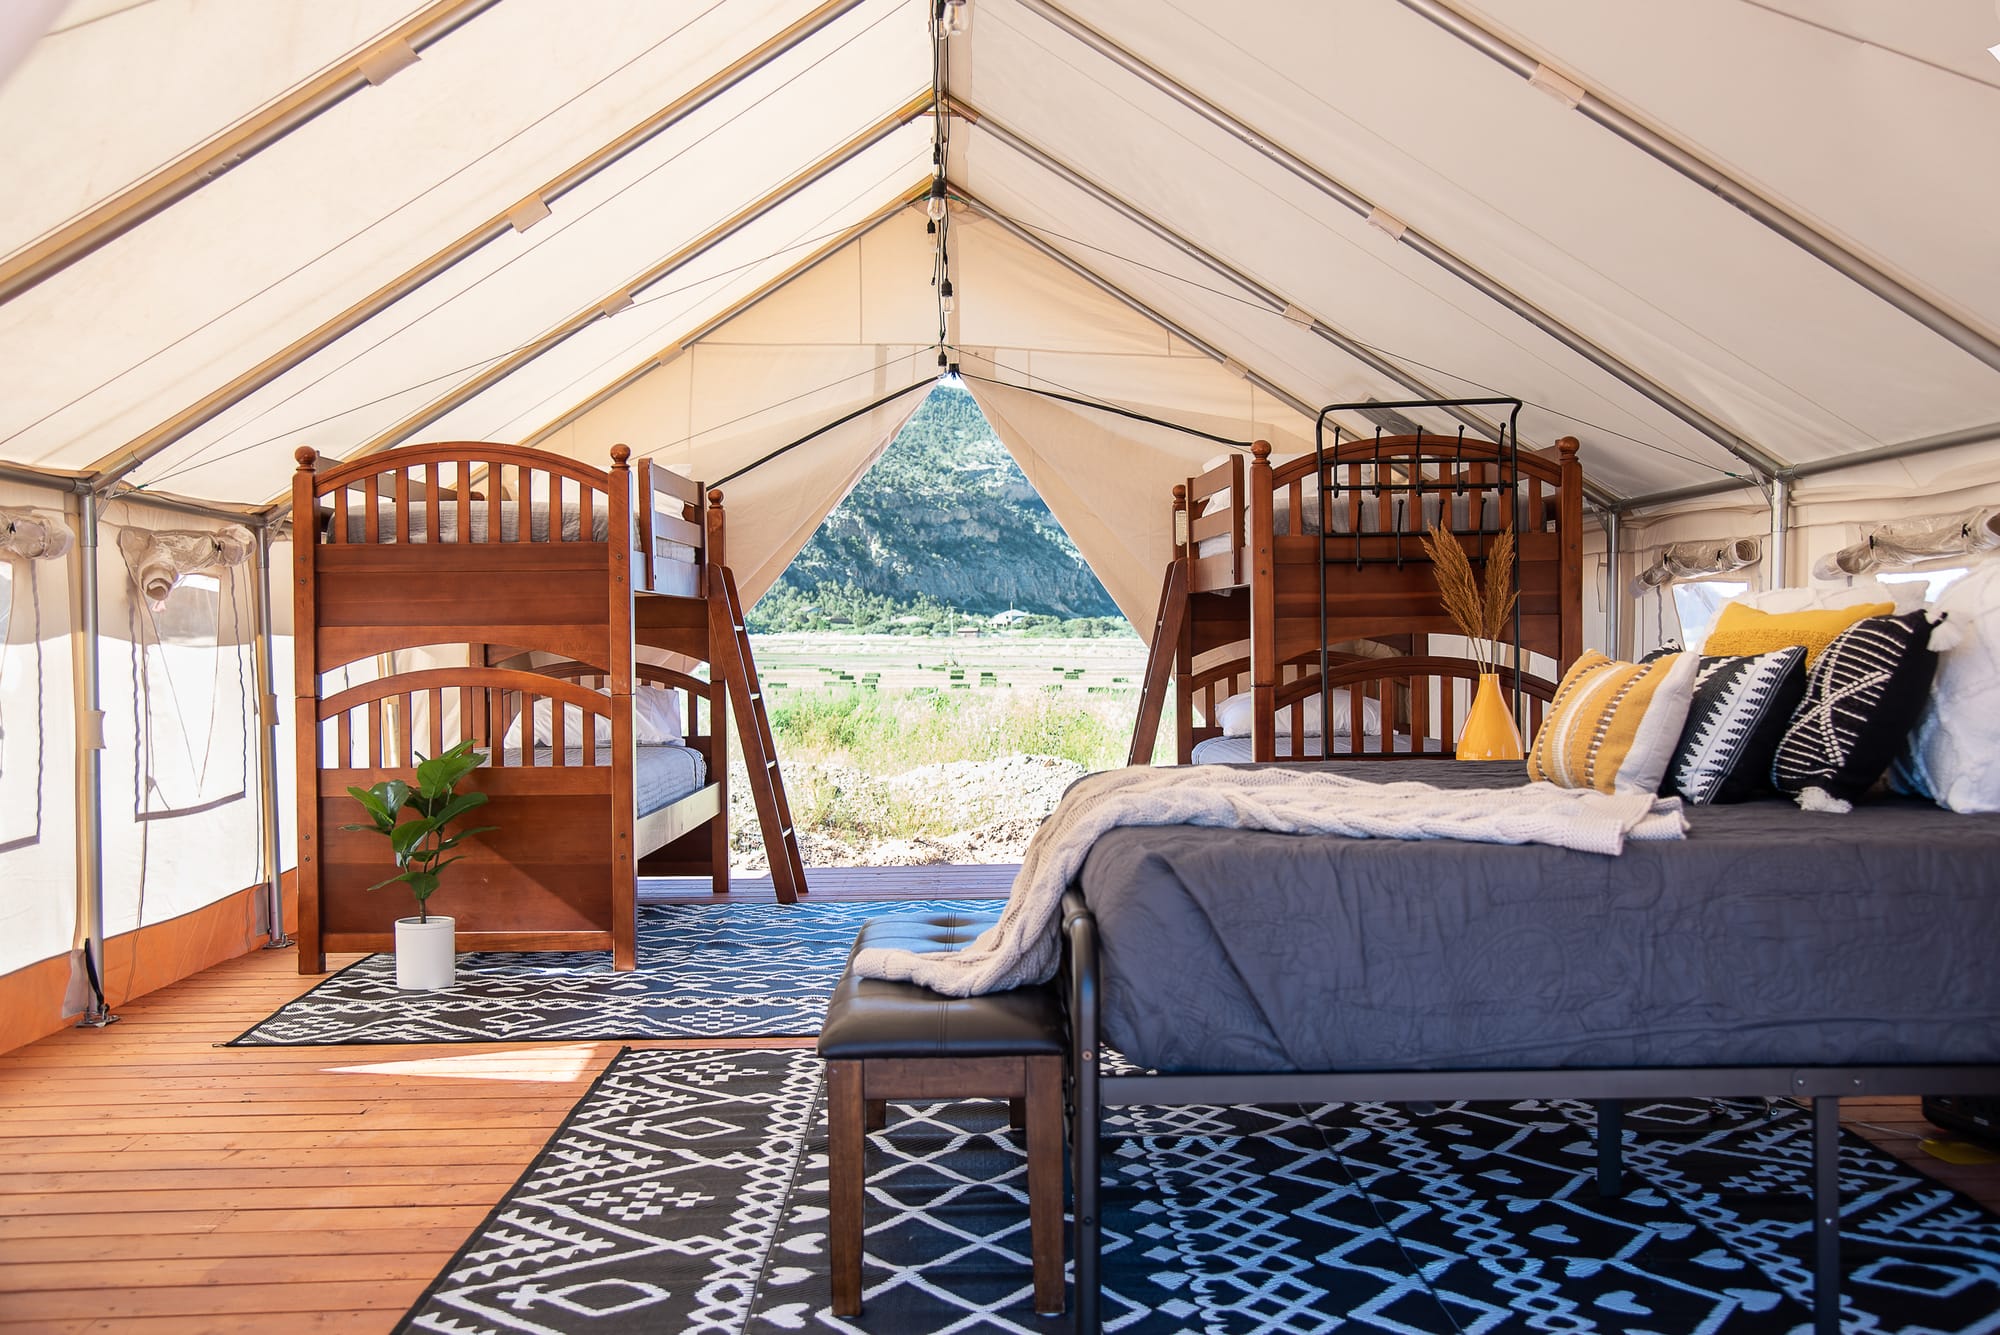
1613 726
1742 631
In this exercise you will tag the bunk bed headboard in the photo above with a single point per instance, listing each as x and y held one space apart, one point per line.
397 549
1365 503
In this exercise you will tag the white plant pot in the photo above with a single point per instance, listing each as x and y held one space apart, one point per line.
424 953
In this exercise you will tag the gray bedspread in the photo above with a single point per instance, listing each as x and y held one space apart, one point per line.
1769 936
661 775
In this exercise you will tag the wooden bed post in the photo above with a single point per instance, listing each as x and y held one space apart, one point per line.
619 653
1184 549
305 717
1570 521
1263 608
718 690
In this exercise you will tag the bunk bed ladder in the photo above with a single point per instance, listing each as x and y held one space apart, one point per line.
731 648
1160 658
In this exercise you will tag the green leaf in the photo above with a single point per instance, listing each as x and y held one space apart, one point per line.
423 884
405 836
374 802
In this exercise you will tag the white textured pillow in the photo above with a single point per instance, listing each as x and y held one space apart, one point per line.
656 721
1904 597
1953 755
656 716
1235 715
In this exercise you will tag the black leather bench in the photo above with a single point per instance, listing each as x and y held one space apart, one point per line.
886 1041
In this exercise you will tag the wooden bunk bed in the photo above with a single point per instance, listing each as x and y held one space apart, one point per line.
1307 578
549 577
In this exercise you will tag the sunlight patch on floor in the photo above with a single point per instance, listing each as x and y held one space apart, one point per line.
536 1065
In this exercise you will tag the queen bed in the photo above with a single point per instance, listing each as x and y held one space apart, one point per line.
1772 952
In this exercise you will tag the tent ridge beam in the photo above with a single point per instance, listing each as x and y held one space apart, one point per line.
596 311
1719 182
1280 304
1631 377
164 436
1120 295
114 217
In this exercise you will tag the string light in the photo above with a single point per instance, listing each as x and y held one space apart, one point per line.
946 298
934 206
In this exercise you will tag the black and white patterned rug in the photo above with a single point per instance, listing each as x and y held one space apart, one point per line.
705 971
687 1192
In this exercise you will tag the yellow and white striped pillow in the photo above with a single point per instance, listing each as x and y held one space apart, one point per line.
1613 726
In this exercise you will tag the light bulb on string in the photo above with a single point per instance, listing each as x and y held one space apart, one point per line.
946 298
934 206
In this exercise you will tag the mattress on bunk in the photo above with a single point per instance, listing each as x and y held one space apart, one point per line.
1402 516
1769 936
661 775
1237 750
510 524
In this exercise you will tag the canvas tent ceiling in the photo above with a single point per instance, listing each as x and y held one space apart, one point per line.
1712 240
1115 133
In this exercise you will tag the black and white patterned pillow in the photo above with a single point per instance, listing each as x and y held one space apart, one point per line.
1864 694
1742 707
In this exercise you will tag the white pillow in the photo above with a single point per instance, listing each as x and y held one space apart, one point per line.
1236 714
656 721
1953 756
656 716
1826 597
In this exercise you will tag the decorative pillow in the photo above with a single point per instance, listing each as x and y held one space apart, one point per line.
656 721
1612 726
1802 598
656 716
1235 715
1742 630
1862 699
1741 709
1954 752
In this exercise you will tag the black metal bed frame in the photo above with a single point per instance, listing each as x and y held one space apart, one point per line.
1091 1091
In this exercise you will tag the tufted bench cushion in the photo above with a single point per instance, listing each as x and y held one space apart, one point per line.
869 1017
884 1041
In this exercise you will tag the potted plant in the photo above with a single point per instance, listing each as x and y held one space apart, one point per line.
424 945
1480 610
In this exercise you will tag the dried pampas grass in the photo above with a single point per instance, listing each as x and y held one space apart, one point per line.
1479 609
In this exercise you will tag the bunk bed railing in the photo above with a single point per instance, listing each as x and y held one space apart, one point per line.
1422 700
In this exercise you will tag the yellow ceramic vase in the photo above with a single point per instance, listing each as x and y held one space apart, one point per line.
1489 733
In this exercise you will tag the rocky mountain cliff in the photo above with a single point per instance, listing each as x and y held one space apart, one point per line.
946 516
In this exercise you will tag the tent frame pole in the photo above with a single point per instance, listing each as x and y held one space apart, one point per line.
1630 376
267 719
1614 588
90 763
1718 182
1779 567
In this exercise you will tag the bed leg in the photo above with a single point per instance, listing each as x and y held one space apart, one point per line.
1826 1213
1086 1114
1610 1148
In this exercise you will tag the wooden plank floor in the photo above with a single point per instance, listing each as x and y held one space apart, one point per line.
154 1183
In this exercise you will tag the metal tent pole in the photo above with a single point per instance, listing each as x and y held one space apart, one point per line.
1779 566
267 718
1613 590
90 764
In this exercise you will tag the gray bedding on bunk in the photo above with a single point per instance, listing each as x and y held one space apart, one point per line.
661 775
1237 750
1769 936
510 523
1404 515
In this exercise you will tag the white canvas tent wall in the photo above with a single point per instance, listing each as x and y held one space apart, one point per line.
1732 246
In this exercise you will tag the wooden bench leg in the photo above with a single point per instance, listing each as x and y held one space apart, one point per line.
846 1147
878 1114
1017 1113
1045 1179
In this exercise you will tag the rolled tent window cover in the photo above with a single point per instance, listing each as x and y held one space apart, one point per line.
1697 560
1915 541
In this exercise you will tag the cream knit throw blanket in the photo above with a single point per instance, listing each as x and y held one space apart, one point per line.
1022 948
